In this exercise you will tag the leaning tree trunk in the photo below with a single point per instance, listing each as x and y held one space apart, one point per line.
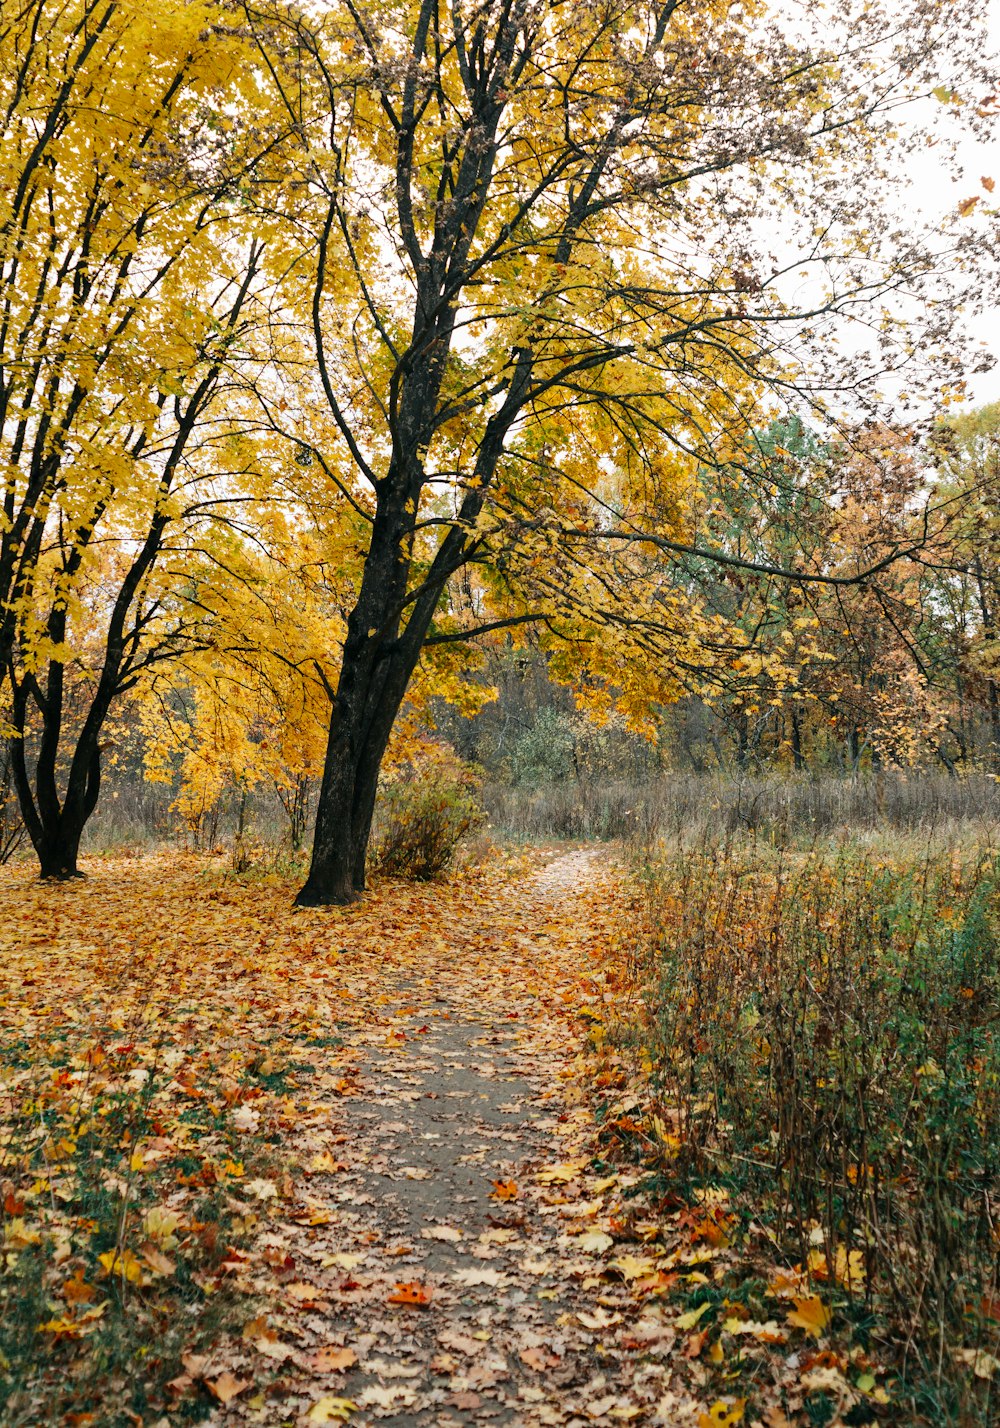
374 674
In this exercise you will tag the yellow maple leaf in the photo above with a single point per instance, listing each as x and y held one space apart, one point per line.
723 1415
122 1262
810 1314
331 1410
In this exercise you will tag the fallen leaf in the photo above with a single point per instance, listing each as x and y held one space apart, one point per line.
983 1365
599 1319
412 1293
768 1333
688 1321
595 1242
694 1344
333 1359
810 1314
122 1263
158 1261
560 1174
325 1163
472 1277
226 1387
723 1415
539 1359
303 1293
331 1410
76 1290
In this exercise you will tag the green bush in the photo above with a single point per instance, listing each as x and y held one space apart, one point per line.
425 808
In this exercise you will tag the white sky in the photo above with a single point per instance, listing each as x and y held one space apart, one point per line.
939 182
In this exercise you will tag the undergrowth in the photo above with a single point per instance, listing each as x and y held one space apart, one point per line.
120 1213
425 809
821 1030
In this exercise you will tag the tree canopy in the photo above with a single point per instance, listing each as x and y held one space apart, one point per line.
479 296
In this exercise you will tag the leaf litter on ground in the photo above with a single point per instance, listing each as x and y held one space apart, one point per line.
340 1165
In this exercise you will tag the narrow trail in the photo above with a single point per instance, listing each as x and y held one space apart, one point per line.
448 1255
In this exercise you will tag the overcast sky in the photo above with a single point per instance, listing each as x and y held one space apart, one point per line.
938 183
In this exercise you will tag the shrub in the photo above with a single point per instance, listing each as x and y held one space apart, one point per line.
426 807
824 1029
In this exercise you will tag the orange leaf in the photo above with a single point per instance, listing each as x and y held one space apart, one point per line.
412 1294
226 1387
76 1290
504 1190
988 184
694 1343
303 1293
332 1359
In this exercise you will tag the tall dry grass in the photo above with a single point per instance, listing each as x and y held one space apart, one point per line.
778 808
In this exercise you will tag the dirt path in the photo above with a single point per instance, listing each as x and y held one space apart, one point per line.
449 1262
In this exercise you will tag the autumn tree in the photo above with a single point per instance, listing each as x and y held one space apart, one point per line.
963 581
248 706
125 280
538 277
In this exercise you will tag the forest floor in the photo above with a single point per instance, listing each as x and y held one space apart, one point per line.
340 1165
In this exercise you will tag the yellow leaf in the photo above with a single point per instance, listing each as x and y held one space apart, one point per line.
122 1262
331 1410
560 1174
849 1268
631 1267
18 1236
62 1328
810 1314
723 1415
769 1333
160 1226
688 1321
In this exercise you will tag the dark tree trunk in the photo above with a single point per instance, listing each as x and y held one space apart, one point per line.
57 857
54 826
374 674
362 719
797 757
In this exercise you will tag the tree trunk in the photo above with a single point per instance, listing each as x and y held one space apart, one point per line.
374 673
359 734
797 757
55 828
58 853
